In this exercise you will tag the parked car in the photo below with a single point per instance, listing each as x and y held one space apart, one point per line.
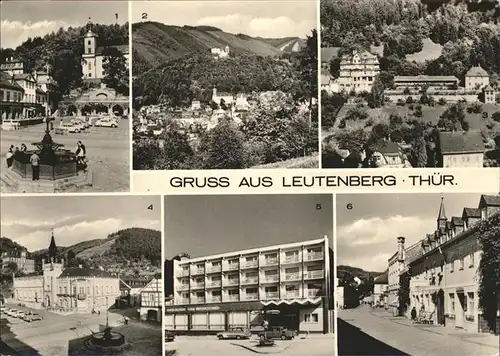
29 317
19 314
169 336
234 333
106 122
11 312
69 127
277 332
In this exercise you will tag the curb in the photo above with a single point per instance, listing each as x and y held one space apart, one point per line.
260 352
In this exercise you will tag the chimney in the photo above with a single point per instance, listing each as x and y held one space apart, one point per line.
401 249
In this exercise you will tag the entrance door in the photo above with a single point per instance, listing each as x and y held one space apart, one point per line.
459 313
440 307
152 315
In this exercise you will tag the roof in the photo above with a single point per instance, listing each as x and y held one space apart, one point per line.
457 221
382 279
84 272
491 200
387 148
461 142
328 53
123 49
124 285
90 34
362 55
428 78
23 76
6 82
471 213
477 72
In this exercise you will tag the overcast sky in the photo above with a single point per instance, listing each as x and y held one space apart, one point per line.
24 19
261 18
366 234
204 225
29 220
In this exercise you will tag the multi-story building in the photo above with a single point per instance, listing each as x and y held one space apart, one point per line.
396 263
24 264
445 277
220 52
93 56
11 96
152 301
422 81
381 290
476 78
288 285
68 289
358 72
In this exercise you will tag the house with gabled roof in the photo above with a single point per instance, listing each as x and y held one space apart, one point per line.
460 149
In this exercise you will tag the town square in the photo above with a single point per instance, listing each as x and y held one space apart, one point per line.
80 284
64 99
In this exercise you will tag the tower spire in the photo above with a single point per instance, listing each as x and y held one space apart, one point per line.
442 212
52 247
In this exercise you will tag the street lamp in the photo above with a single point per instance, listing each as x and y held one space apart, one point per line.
107 320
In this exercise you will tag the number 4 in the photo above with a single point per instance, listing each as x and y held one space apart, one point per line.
150 207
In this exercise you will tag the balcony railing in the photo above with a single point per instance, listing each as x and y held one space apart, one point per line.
197 285
231 282
231 266
183 301
214 284
271 295
251 264
270 262
216 299
291 259
292 294
251 297
250 281
313 256
314 274
197 300
183 273
268 279
233 297
292 277
183 287
214 269
198 271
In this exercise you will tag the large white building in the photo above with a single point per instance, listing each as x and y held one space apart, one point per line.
66 289
93 56
358 72
288 285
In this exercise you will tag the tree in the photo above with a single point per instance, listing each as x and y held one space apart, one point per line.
376 97
176 150
222 148
418 155
115 70
489 269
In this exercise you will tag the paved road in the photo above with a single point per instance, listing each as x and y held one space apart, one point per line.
361 332
210 346
108 150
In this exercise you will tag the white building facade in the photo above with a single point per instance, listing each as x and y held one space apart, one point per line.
287 285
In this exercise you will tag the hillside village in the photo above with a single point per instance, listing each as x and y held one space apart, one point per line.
416 98
226 91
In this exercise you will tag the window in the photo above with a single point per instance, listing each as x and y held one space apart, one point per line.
311 318
470 307
461 264
82 290
452 266
471 260
89 50
89 42
452 302
90 65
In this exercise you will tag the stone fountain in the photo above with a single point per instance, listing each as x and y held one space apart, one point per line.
58 169
106 342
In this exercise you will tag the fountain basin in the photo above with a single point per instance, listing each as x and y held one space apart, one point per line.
115 339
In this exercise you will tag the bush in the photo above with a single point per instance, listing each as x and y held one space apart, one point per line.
442 101
342 124
496 116
409 100
401 102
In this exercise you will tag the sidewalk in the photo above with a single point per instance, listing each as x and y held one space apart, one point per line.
483 339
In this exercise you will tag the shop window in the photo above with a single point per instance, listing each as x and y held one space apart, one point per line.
311 318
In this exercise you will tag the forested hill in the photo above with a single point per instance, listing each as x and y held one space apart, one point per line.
155 43
132 244
355 272
62 50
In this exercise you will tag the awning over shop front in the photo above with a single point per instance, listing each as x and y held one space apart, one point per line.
307 301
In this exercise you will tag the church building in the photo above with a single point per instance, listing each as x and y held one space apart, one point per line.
66 289
93 56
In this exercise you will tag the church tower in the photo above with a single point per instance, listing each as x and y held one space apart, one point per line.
52 248
442 219
89 55
90 41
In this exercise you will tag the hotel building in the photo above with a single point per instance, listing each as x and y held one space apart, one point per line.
288 285
358 72
445 276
